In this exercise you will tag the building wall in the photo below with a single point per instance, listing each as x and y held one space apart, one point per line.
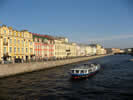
16 44
93 50
60 49
64 49
72 48
43 47
78 50
1 44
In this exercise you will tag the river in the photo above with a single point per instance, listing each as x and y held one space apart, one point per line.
113 82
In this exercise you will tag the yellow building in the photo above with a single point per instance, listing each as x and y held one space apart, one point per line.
15 44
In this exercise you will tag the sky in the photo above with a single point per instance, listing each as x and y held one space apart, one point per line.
107 22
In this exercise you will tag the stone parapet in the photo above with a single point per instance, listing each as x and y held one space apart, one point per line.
14 69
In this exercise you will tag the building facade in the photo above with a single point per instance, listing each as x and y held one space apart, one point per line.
15 44
64 49
43 46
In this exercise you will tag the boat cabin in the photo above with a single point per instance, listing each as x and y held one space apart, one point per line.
81 71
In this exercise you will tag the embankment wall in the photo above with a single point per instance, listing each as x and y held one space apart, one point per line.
13 69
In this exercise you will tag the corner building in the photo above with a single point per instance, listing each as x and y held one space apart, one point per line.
15 44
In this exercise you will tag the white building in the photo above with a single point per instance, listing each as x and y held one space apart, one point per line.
64 49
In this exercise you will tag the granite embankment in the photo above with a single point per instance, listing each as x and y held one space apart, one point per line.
13 69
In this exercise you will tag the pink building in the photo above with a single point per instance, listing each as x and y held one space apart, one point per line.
43 46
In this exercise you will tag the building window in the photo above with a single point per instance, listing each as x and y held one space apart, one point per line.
26 50
18 50
31 50
22 50
10 32
10 41
10 50
30 43
15 49
22 42
22 34
4 50
14 41
18 42
4 40
15 33
4 31
18 34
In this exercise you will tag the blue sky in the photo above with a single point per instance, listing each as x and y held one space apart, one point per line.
108 22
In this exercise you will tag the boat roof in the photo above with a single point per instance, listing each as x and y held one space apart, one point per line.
83 67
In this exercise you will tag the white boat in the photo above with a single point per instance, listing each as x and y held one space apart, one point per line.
85 70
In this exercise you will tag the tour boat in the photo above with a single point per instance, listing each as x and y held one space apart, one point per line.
84 71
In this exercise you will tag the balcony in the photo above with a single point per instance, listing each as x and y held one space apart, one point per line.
5 43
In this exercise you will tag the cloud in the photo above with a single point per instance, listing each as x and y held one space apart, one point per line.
115 37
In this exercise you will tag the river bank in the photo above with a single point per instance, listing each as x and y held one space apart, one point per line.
7 70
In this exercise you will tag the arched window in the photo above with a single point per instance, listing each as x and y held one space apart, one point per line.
4 31
10 32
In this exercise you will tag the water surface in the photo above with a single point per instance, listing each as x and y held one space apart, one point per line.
113 82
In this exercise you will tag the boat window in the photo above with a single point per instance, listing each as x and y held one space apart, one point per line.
77 71
82 71
85 71
89 70
72 71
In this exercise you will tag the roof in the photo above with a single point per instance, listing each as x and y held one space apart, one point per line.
35 35
83 67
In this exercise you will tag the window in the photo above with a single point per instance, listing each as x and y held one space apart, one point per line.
4 50
22 50
18 34
15 33
18 50
77 71
18 42
14 41
22 42
22 34
10 50
10 41
85 71
26 50
35 39
30 43
4 31
10 32
72 71
15 49
31 50
89 70
4 40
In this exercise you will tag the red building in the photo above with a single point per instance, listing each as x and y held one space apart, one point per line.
43 46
